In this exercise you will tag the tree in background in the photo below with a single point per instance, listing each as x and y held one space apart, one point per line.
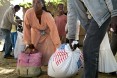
51 5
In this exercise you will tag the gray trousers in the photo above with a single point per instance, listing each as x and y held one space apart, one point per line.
114 43
8 44
94 37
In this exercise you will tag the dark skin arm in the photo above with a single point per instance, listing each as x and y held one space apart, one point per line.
113 24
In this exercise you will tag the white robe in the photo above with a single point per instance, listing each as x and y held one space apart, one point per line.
107 62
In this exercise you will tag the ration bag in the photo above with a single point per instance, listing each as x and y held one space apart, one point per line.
29 65
65 62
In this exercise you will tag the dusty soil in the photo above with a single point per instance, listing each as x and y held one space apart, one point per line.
8 66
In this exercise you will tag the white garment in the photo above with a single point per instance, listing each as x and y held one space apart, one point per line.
107 62
20 46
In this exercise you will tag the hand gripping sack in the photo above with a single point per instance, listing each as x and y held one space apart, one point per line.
65 62
29 65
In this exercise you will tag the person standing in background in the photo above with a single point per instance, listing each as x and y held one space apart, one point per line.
14 32
61 20
6 25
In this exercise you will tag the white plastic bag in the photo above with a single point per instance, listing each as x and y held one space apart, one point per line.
19 46
107 61
2 41
65 62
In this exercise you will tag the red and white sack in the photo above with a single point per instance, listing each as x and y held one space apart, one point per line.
28 65
65 62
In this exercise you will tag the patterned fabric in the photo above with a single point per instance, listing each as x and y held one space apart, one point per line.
29 59
60 56
29 65
64 62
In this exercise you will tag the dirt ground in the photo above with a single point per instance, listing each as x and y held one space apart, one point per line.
8 66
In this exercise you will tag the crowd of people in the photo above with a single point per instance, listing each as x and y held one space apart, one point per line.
47 33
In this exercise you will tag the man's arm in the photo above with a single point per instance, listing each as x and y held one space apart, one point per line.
76 11
11 18
71 19
72 16
112 5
